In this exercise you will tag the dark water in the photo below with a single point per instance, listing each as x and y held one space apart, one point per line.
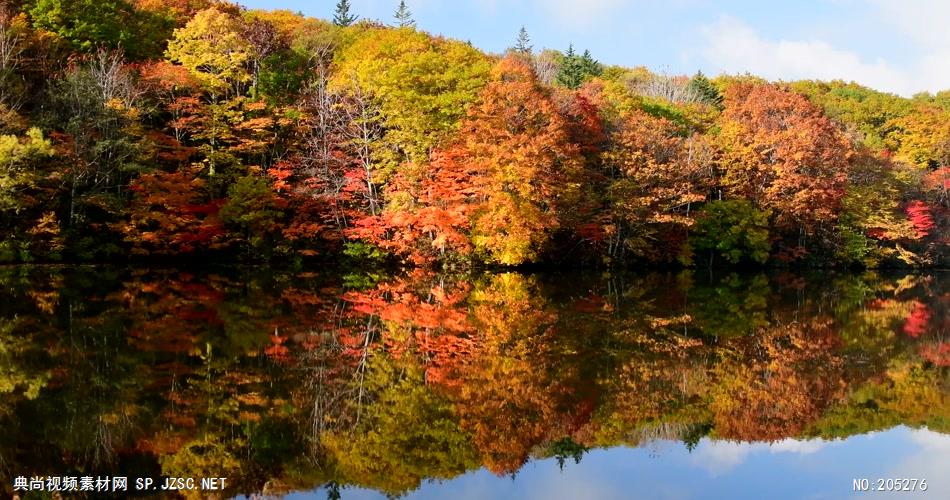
319 385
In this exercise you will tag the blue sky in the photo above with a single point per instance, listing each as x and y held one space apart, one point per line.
900 46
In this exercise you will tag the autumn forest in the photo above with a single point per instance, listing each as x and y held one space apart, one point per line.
136 130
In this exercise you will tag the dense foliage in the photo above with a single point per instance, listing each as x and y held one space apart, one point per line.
198 129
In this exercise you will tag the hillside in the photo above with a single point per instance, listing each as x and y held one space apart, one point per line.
196 129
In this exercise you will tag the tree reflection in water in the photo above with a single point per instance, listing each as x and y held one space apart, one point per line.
283 382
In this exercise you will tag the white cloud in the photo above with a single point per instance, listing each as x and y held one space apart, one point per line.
924 21
734 47
930 463
797 446
719 457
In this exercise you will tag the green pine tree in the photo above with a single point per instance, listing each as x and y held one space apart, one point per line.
575 69
342 16
523 43
705 89
589 66
404 16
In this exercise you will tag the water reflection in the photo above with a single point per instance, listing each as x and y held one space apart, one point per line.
352 384
715 469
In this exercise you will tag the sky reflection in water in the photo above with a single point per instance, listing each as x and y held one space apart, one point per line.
791 468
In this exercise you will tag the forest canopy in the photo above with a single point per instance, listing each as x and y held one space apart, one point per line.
198 129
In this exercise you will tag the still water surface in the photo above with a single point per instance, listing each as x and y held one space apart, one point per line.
426 385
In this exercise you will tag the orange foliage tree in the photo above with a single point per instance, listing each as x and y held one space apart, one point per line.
660 175
781 152
520 142
171 214
500 191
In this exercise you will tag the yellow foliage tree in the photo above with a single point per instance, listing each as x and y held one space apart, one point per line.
422 83
211 47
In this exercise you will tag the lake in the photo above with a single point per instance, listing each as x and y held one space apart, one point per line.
692 384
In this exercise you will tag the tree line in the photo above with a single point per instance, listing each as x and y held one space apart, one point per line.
200 129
